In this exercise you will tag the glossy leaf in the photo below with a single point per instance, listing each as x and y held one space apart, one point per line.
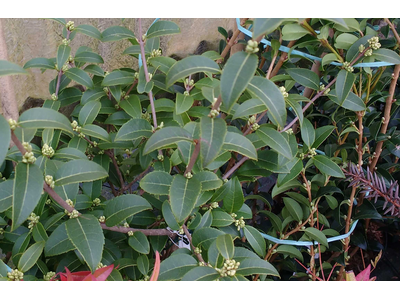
191 65
96 132
326 166
316 235
143 263
264 26
166 137
156 183
5 137
139 242
307 133
28 186
134 129
89 112
268 92
238 72
132 106
201 274
6 194
212 132
183 103
255 239
240 144
293 31
344 85
161 28
220 218
40 62
209 180
225 246
118 78
306 78
176 266
63 53
275 140
290 250
87 236
58 242
386 55
80 76
88 57
30 256
89 30
9 68
251 266
116 33
122 207
205 236
232 195
294 209
183 195
79 170
40 117
249 107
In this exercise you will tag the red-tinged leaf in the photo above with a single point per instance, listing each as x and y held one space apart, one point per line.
364 275
156 270
102 273
90 277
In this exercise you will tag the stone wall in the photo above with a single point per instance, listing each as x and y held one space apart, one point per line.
30 38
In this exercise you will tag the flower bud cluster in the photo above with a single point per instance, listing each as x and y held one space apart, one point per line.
181 231
312 152
282 89
70 202
347 67
28 158
188 82
374 43
197 250
48 201
15 275
189 175
155 53
150 76
13 124
66 42
255 126
368 52
100 265
126 225
102 219
214 113
322 87
160 157
74 214
47 151
70 25
27 146
214 205
146 116
229 268
1 231
49 180
75 126
308 183
33 220
252 46
49 276
361 48
240 223
54 97
251 120
130 233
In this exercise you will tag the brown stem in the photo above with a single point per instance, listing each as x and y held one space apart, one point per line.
147 232
198 255
231 42
110 153
236 166
193 158
393 30
281 60
388 107
140 176
131 87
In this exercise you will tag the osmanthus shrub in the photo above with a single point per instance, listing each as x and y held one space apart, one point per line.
222 165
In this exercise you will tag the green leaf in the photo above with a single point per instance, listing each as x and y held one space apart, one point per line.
321 134
30 256
240 144
9 68
161 28
201 274
295 166
344 41
156 183
212 132
132 106
40 62
166 137
96 132
316 235
63 53
293 208
269 93
232 195
367 211
221 218
205 236
237 73
274 219
183 103
275 140
307 133
122 207
291 32
39 233
79 170
327 59
89 30
88 57
250 266
225 246
176 266
134 129
290 250
344 85
183 195
89 112
139 242
69 153
92 95
249 107
264 26
255 239
191 65
5 137
386 55
305 77
28 187
209 180
95 70
116 33
87 236
353 51
162 63
169 216
58 242
118 78
40 117
80 76
143 263
326 166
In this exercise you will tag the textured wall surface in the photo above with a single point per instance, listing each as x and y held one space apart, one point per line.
30 38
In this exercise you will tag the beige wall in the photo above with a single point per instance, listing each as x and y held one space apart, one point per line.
30 38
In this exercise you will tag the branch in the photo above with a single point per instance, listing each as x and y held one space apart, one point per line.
193 158
393 30
198 255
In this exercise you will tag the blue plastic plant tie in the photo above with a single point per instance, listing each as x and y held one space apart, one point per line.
306 243
312 57
8 268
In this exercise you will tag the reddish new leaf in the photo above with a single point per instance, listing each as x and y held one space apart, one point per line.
156 270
